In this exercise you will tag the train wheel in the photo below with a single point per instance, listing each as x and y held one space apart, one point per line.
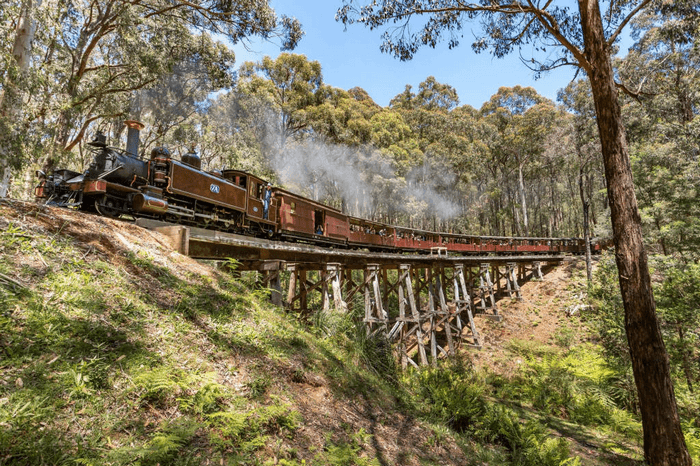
108 208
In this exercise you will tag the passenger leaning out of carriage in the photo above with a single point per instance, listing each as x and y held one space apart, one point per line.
267 199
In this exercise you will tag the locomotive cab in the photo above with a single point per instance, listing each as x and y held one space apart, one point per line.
255 188
115 165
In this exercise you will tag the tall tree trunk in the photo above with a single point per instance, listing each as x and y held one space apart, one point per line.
554 225
11 99
523 200
663 439
586 229
587 239
662 241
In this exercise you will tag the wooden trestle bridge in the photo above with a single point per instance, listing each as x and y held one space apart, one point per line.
426 304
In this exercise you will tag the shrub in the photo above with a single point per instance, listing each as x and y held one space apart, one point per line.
527 442
453 395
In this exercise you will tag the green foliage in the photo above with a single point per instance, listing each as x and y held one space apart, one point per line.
678 297
86 377
209 398
258 386
452 394
692 439
527 442
574 387
415 141
158 387
347 453
564 337
455 395
669 194
168 443
247 431
288 82
608 316
171 59
373 352
529 348
158 379
678 301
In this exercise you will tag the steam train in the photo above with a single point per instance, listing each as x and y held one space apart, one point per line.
119 182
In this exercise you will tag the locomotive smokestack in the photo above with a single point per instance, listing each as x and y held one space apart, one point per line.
132 138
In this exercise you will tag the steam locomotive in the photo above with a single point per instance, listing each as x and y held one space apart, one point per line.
119 182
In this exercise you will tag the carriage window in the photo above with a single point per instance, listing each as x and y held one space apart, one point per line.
293 207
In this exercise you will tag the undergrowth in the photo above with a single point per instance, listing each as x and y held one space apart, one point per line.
128 360
121 363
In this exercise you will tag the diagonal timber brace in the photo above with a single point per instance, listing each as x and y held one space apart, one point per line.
376 318
487 298
512 287
464 308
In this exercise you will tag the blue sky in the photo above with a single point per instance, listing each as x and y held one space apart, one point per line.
352 58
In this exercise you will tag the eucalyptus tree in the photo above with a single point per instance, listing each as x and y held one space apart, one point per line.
523 119
116 47
343 117
663 66
426 111
15 71
94 53
581 39
233 131
178 96
289 83
578 101
389 131
441 150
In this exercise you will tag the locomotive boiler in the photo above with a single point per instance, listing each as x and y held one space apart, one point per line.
119 182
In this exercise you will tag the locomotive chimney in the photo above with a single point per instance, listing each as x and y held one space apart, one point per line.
132 138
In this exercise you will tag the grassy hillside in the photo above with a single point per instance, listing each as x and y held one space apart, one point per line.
116 350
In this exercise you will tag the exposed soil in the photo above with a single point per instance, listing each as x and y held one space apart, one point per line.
540 317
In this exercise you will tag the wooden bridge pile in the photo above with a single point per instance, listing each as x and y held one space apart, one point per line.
428 310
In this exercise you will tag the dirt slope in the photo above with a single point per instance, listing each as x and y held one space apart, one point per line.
540 318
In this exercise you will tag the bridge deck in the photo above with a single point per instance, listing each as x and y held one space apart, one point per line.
200 243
